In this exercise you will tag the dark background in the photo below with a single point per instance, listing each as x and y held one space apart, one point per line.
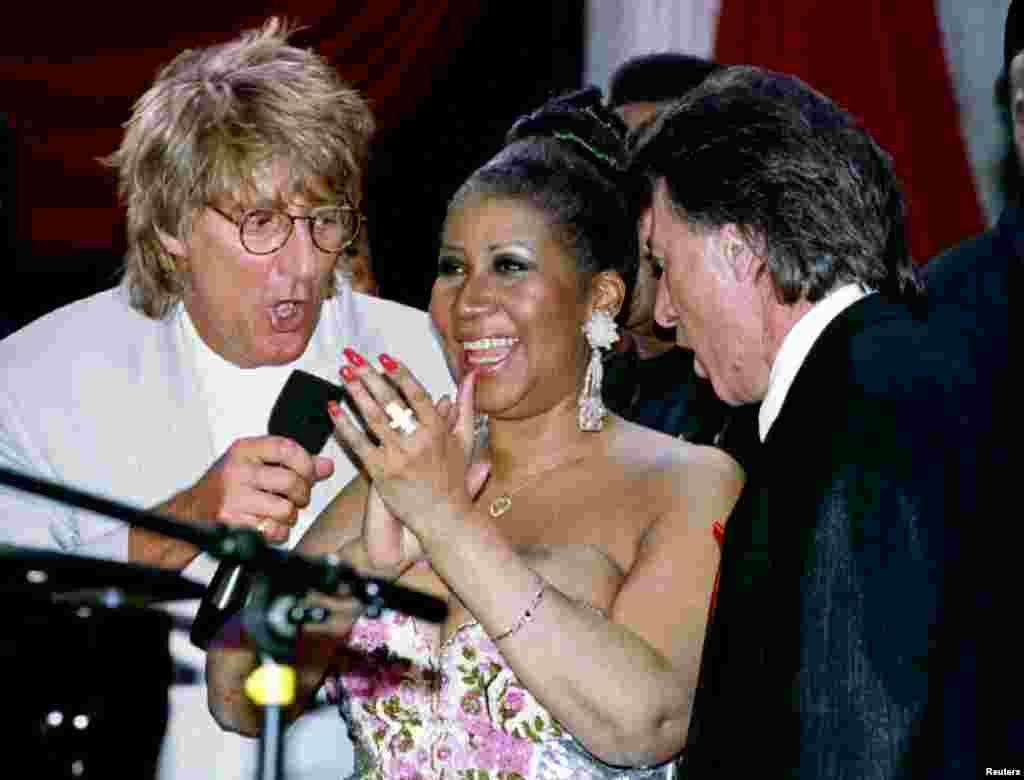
513 62
440 115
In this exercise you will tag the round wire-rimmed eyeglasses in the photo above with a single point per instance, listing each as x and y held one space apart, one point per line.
263 231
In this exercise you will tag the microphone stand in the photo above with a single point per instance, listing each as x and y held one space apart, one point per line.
272 622
274 612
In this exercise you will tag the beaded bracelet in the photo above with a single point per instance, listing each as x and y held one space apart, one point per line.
527 615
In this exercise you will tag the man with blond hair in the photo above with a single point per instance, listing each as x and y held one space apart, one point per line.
241 169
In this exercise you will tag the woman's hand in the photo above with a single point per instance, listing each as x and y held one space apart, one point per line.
230 659
461 418
389 544
414 474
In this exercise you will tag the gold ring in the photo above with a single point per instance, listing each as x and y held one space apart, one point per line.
263 526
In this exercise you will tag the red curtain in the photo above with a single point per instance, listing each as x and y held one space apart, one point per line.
68 79
884 62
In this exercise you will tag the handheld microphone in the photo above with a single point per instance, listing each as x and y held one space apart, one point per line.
300 414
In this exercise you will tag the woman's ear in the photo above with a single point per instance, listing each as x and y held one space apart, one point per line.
607 292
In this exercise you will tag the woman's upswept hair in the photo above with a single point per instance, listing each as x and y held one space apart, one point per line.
807 186
211 126
568 160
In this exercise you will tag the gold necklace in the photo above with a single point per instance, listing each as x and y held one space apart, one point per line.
503 503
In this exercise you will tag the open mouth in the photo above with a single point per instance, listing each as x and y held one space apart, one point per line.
287 316
488 354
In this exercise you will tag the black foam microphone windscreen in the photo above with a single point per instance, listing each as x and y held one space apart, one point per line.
300 414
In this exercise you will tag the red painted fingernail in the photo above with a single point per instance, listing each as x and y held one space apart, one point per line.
355 358
388 362
332 408
719 531
347 373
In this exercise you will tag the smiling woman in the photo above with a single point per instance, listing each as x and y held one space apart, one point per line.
579 574
507 300
534 242
575 530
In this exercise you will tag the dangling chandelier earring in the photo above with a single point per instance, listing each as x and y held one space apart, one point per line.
601 332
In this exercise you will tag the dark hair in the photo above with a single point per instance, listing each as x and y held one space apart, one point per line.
807 186
568 159
1013 34
654 78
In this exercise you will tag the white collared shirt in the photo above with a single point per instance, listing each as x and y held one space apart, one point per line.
796 346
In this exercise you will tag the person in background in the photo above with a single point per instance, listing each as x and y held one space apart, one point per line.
969 291
241 168
641 85
580 575
779 223
359 263
650 378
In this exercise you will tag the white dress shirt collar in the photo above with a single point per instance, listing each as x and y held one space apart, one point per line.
795 347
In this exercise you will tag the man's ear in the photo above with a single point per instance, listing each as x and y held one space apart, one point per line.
607 292
741 259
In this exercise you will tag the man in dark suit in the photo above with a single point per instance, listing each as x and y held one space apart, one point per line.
969 289
779 223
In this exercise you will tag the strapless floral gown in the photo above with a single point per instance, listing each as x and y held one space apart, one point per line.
416 712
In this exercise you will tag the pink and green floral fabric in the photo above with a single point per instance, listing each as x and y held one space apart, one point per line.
457 712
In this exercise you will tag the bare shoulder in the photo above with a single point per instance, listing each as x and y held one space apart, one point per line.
684 479
663 455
